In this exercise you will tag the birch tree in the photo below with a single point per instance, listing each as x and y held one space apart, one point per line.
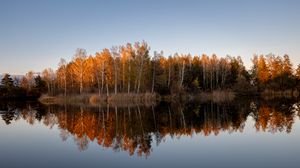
115 56
142 51
79 66
63 67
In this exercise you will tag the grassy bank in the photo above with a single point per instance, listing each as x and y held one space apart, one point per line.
272 94
120 99
215 96
146 99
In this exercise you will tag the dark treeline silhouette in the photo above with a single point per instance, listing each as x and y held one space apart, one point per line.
131 69
135 129
29 87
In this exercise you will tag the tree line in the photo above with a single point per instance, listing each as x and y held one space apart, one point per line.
131 69
29 86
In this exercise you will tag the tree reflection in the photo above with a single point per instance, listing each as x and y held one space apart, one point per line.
136 129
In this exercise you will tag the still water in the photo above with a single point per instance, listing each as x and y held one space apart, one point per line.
249 133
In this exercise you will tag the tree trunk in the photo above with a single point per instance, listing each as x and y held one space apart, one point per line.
140 75
153 78
81 79
129 74
182 74
49 91
217 76
169 76
211 78
98 84
65 83
102 76
107 90
123 77
116 76
204 71
72 82
81 86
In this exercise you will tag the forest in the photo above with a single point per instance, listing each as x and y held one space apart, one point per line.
131 70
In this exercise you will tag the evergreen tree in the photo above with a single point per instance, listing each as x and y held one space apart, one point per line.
7 81
40 85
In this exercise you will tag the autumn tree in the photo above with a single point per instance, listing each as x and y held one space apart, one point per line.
108 69
48 76
142 55
275 65
204 62
115 57
98 66
79 67
62 74
29 79
154 62
287 79
263 73
287 65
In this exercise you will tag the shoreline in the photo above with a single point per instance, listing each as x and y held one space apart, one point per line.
147 99
120 99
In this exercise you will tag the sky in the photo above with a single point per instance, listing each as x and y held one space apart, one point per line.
35 34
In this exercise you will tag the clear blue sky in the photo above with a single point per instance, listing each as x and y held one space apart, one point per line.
36 34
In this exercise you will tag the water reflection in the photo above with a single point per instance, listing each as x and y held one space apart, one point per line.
134 129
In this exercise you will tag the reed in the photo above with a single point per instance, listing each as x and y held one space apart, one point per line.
273 94
120 99
215 96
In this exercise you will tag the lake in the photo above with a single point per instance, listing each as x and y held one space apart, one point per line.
243 133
